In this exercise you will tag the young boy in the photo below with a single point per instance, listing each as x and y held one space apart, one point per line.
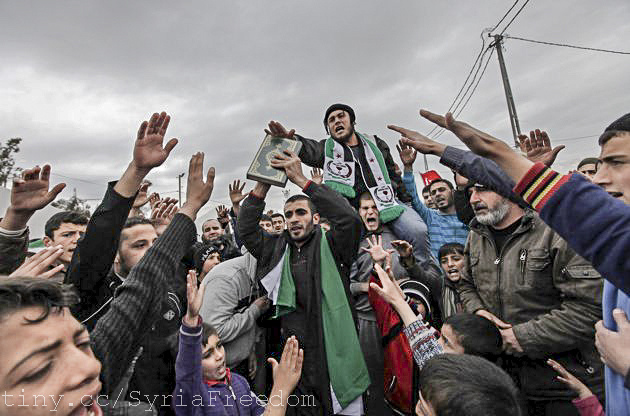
451 256
205 385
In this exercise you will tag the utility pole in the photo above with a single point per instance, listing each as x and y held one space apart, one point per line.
516 128
179 178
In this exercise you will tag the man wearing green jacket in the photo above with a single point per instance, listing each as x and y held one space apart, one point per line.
544 298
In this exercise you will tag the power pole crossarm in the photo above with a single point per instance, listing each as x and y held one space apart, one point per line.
516 128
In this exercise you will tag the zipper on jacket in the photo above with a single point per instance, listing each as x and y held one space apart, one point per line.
523 259
238 411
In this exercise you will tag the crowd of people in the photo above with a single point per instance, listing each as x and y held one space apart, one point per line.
499 292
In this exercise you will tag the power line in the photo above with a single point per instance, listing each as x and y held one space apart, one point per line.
479 56
568 46
504 16
514 17
473 90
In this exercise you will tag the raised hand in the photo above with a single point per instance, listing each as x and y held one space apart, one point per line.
404 248
570 380
407 154
39 264
376 250
292 165
142 198
483 144
277 130
198 192
287 372
418 141
223 215
154 199
195 299
537 147
236 192
164 210
29 194
148 151
317 176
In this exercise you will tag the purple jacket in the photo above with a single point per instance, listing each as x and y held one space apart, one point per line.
194 397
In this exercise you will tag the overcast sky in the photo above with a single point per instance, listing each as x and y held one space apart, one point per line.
78 77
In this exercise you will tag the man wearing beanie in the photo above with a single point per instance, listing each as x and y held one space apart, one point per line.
354 163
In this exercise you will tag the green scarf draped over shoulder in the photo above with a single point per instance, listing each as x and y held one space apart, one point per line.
344 358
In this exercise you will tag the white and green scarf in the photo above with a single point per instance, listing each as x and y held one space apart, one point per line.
339 173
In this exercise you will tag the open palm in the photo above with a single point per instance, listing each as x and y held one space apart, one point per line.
31 193
149 151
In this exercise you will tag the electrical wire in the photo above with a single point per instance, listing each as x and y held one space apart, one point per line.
504 16
567 46
514 17
457 113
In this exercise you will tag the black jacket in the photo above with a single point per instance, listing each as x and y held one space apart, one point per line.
93 258
312 154
343 238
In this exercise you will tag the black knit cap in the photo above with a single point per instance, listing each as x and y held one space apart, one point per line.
621 124
202 252
335 107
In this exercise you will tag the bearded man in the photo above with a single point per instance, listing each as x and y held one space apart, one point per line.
543 297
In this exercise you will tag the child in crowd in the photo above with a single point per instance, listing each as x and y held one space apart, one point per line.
466 333
451 256
586 402
205 385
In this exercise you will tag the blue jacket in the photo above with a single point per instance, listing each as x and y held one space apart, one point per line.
597 227
192 396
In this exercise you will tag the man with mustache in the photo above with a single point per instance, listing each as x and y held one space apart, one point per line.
354 163
306 275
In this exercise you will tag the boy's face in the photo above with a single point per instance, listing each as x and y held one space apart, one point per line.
47 367
213 359
613 173
452 265
67 235
449 342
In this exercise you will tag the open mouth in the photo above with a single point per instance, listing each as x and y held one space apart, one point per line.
615 194
295 229
371 220
453 272
338 129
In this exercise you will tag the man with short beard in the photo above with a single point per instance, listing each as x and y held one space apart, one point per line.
354 163
443 223
306 275
544 298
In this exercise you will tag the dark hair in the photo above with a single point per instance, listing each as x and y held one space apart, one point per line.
450 248
616 128
22 292
446 181
264 217
427 189
277 214
588 161
335 107
59 218
299 197
465 385
133 221
477 335
207 331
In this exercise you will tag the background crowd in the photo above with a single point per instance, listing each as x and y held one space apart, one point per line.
498 291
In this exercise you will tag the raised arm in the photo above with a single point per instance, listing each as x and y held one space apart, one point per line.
118 333
29 193
97 249
312 151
